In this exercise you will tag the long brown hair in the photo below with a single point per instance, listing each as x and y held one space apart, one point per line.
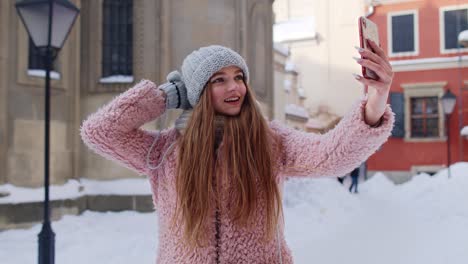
248 156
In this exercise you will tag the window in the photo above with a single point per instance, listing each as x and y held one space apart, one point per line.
424 117
403 33
453 20
36 62
35 58
422 112
117 45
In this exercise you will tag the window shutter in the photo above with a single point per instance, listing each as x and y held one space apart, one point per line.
397 102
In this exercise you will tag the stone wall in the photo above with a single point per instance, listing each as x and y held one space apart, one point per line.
22 105
165 32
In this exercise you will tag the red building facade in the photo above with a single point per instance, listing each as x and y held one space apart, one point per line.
421 39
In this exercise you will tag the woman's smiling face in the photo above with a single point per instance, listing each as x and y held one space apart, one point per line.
227 89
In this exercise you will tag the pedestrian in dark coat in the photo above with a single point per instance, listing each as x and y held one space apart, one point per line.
354 180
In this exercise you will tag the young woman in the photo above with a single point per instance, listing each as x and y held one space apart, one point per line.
217 176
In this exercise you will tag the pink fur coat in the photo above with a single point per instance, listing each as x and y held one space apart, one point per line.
114 132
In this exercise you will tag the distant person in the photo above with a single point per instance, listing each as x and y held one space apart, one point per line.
354 180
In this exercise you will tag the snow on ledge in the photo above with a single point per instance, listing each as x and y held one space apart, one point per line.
117 79
73 189
42 73
296 110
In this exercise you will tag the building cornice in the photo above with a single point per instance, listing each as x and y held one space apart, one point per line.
425 85
435 63
391 2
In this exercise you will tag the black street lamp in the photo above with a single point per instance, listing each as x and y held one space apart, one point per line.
48 23
463 38
448 103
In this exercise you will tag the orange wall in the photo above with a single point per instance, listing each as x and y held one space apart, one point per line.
429 35
397 154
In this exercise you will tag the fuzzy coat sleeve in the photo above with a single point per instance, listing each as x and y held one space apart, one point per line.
337 152
114 130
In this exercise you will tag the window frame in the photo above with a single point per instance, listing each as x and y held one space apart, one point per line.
41 71
129 55
92 69
442 10
390 15
423 116
40 57
433 89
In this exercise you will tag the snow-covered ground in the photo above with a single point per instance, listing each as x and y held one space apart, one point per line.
424 221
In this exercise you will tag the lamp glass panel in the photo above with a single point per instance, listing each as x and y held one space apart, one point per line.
36 19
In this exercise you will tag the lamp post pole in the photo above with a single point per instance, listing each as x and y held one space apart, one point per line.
448 104
48 23
47 235
447 124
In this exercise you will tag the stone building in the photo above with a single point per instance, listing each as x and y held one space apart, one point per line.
321 35
289 96
112 45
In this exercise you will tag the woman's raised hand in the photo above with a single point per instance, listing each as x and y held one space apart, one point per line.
377 61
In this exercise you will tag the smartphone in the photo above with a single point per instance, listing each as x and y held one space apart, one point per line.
368 30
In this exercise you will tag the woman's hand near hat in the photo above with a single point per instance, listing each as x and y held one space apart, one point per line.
176 92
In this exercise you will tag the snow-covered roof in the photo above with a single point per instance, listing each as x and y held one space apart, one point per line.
296 110
281 48
294 30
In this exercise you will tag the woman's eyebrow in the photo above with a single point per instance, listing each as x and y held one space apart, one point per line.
216 74
223 73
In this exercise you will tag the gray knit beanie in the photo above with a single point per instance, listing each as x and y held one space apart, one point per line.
201 64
